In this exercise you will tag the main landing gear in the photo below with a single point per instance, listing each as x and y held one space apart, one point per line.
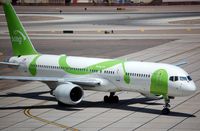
166 109
112 98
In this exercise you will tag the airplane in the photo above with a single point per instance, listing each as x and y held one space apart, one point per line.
68 76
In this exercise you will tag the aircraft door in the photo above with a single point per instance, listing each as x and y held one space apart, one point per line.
23 66
159 82
119 78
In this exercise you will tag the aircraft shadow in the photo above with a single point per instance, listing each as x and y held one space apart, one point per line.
126 104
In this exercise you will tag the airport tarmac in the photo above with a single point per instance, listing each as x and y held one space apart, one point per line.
29 106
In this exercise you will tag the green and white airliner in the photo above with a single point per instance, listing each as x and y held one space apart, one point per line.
68 76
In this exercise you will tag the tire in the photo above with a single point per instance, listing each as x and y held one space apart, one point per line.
116 99
106 99
165 111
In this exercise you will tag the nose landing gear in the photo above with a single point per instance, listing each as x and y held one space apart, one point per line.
166 109
112 98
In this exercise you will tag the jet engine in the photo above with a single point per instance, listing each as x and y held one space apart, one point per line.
68 93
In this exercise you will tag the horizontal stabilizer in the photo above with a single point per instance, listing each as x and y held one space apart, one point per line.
9 64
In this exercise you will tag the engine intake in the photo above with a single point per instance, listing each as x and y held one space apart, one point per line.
69 93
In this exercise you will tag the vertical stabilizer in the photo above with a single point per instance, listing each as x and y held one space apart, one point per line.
21 44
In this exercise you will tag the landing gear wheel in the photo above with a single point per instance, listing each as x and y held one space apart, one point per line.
116 99
106 99
111 99
165 111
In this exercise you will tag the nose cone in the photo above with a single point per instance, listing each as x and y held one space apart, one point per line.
189 88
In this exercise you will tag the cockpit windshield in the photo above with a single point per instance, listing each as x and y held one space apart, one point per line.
189 78
180 78
173 78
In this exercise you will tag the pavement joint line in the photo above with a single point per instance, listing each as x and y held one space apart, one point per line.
190 63
196 61
173 56
158 47
197 52
171 108
29 111
124 117
19 121
64 115
29 117
195 70
49 122
19 93
15 103
177 54
182 121
28 114
111 108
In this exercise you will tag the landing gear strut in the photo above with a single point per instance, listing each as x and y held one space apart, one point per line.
166 109
112 98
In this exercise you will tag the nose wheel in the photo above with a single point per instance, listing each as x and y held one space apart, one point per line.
111 99
166 109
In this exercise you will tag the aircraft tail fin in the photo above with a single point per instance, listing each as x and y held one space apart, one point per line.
21 43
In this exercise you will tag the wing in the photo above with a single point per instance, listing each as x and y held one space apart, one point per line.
11 65
92 82
180 63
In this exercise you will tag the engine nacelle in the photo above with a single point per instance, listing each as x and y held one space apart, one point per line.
152 96
68 93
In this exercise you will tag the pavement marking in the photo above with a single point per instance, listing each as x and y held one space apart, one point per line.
189 29
142 30
28 114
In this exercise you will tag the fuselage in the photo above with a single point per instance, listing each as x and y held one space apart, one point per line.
116 75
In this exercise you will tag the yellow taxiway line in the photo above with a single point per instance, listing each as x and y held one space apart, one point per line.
28 114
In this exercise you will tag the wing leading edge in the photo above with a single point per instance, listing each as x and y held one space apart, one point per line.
92 82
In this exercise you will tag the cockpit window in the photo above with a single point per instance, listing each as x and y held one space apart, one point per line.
183 78
173 78
189 78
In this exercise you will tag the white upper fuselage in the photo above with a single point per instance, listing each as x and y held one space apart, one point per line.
116 75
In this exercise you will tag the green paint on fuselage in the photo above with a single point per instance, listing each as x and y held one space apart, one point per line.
87 70
32 66
99 67
159 82
127 78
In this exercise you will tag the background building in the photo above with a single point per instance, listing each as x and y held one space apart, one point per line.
136 2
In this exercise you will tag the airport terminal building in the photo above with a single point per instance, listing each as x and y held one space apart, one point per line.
137 2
